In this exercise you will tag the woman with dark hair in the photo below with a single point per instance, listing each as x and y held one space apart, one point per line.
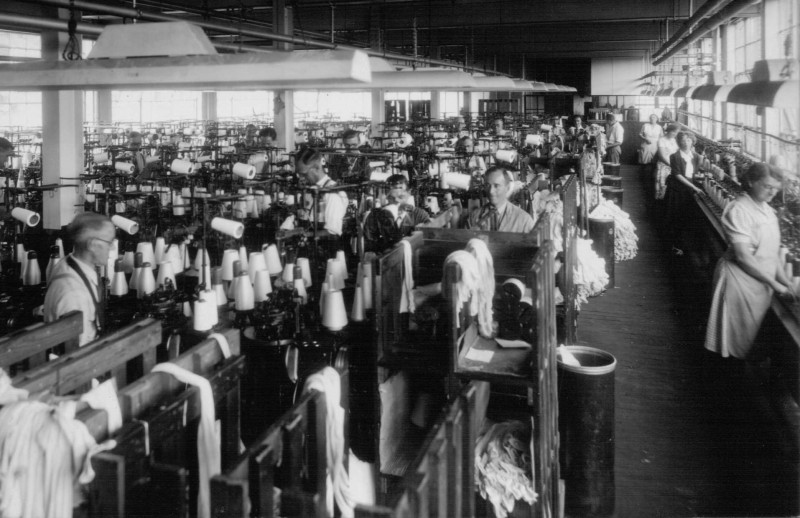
667 145
750 271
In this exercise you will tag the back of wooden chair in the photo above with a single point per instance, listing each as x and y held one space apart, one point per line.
27 348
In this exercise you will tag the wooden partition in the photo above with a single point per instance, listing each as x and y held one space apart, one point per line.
27 348
569 197
439 481
125 354
152 471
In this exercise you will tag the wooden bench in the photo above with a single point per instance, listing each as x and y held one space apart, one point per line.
27 348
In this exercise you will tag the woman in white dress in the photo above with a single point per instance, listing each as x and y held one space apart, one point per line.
651 132
750 271
667 145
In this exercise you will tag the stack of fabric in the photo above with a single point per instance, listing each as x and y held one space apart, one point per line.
626 243
590 274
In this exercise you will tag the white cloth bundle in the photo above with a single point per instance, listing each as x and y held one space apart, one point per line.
407 304
328 382
626 243
45 453
468 288
590 274
9 394
478 248
208 455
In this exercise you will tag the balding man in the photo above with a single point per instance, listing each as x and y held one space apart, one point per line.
75 281
499 213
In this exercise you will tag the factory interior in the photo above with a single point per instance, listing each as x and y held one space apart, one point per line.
399 258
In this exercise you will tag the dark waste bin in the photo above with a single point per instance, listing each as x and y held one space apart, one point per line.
586 427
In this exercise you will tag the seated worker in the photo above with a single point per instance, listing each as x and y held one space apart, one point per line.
250 135
263 159
497 128
499 213
471 162
332 205
134 145
351 163
387 225
267 137
74 281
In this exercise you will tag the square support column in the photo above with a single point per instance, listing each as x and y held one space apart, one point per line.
436 104
283 106
378 112
209 106
62 141
104 110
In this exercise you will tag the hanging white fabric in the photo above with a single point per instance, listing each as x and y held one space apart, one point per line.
406 296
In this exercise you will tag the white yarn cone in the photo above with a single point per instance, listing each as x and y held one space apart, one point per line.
357 313
323 291
228 258
243 258
257 262
273 260
262 285
198 259
128 262
165 272
366 285
288 273
300 286
341 258
334 315
244 297
305 268
33 274
161 245
146 282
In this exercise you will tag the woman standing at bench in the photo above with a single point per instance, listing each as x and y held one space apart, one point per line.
75 281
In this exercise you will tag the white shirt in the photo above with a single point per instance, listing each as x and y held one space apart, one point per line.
67 292
615 134
333 207
687 157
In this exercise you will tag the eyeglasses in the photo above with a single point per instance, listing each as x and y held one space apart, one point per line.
109 243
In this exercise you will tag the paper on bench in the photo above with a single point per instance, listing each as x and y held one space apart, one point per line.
480 355
513 344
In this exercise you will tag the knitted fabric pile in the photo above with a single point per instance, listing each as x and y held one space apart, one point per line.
590 274
503 462
626 243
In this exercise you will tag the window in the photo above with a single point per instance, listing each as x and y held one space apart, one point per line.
156 106
20 109
344 106
244 105
747 46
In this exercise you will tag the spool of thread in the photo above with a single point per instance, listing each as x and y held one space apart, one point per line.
200 258
129 226
228 258
173 255
244 298
125 167
152 159
146 281
334 271
343 260
166 273
257 262
290 200
357 313
119 286
204 313
52 262
181 166
146 249
366 285
533 140
322 293
237 270
305 270
137 271
218 286
273 260
299 285
457 181
288 273
25 216
506 155
128 262
234 229
334 314
262 285
246 171
33 274
101 157
243 258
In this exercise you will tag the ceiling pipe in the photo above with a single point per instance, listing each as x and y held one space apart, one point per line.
709 7
87 29
725 14
138 14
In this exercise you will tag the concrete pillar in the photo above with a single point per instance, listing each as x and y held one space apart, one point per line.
62 138
436 104
724 65
283 100
466 104
378 112
209 106
104 110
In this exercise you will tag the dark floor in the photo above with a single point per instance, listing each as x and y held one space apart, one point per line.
695 435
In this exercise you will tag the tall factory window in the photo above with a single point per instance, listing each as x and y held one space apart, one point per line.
20 109
155 106
343 106
245 105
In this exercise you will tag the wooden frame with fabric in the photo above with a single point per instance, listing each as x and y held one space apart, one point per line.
28 347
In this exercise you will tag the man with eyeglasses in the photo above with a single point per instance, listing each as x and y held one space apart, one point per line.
74 283
350 164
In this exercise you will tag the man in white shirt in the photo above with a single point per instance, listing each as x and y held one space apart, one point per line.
75 281
499 214
333 205
614 137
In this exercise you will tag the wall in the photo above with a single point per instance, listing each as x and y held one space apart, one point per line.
617 76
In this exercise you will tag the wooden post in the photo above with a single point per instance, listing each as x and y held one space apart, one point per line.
62 138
